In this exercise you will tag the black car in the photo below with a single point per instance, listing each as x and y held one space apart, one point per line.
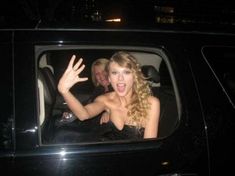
192 73
189 67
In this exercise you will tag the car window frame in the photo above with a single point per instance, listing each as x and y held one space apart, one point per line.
158 50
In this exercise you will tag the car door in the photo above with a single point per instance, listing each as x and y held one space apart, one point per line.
176 153
7 101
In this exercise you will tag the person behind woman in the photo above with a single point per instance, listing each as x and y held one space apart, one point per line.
99 78
102 85
130 105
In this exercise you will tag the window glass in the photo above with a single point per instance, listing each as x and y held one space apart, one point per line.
58 124
222 61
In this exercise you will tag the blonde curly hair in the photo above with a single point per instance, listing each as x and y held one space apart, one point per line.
137 108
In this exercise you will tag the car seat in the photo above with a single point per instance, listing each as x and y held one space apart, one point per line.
46 79
47 97
168 108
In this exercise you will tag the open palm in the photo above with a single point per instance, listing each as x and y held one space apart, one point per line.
71 75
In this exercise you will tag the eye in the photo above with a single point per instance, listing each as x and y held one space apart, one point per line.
127 72
113 72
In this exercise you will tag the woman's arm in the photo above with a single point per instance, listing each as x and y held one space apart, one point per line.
151 128
69 78
105 117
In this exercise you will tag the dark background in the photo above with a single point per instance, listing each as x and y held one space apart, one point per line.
62 13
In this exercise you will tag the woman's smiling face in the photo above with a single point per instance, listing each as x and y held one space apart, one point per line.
121 78
101 75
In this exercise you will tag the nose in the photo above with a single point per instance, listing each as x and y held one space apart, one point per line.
120 77
97 76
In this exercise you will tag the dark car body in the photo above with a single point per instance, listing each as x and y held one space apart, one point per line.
201 143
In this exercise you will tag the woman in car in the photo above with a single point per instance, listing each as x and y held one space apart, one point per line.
133 111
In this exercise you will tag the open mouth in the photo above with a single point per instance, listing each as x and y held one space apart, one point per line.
121 87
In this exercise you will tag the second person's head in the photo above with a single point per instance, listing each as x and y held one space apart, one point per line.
98 73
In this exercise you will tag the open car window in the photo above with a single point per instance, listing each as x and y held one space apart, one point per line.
51 64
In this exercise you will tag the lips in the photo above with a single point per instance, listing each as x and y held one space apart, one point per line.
103 81
121 87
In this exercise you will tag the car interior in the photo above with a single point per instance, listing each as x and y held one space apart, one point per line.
51 106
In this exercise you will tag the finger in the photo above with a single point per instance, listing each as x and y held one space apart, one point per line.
101 120
83 79
75 67
78 71
70 66
106 120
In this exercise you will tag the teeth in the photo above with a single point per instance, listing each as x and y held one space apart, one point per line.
120 84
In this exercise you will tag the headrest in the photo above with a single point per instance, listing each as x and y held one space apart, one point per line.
151 73
46 71
48 85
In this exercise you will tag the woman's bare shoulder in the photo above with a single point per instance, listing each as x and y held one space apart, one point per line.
153 100
105 97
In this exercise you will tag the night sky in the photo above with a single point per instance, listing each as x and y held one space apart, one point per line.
25 11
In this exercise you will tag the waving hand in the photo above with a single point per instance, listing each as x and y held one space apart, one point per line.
71 75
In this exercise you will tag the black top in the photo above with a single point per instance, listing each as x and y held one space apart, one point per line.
92 131
110 132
